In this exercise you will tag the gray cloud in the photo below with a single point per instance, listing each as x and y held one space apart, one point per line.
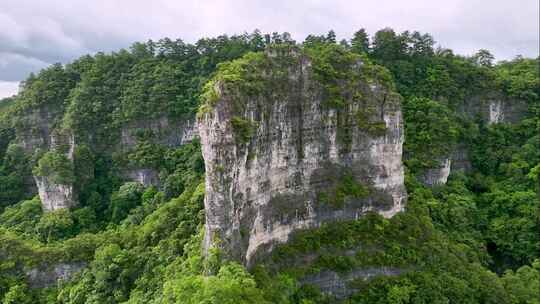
36 33
14 67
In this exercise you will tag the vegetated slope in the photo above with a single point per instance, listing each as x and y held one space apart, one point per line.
473 239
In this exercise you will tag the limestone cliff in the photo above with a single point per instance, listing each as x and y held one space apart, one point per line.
54 196
34 128
494 107
438 175
287 147
53 176
51 275
166 132
490 107
39 130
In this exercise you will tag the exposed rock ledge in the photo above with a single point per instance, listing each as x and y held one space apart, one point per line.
54 196
339 285
438 175
48 276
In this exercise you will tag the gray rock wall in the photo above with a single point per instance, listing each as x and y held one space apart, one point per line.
494 107
167 132
172 133
438 175
50 276
339 284
145 177
54 196
460 159
34 129
490 108
260 191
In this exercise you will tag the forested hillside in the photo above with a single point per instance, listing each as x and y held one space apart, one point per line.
112 136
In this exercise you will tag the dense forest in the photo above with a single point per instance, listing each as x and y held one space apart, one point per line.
474 239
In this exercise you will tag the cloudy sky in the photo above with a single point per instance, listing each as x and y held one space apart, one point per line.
36 33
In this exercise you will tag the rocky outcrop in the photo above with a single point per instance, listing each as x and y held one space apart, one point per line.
54 196
284 159
37 131
487 108
145 177
50 276
63 143
496 113
460 159
339 286
438 175
164 131
34 129
494 107
53 193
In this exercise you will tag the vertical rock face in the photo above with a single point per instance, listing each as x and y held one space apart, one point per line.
36 133
166 132
49 276
54 196
496 113
286 160
460 159
338 284
490 108
35 128
494 107
145 177
38 130
172 133
439 175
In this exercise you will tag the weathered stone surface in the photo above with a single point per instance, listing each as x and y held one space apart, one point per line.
33 132
49 276
36 132
63 143
166 132
460 159
259 191
438 175
496 114
54 196
491 108
146 177
172 133
339 284
34 129
494 107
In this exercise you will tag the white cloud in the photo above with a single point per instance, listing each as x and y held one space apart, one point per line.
61 30
8 88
